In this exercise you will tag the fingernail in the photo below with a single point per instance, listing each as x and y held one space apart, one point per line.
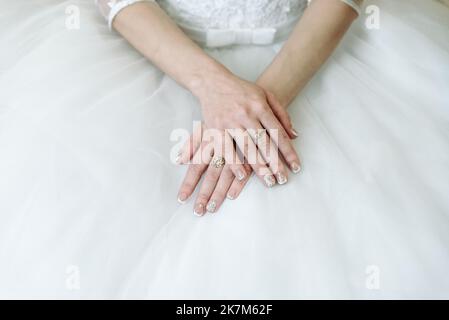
182 198
281 178
199 210
211 206
294 132
295 167
269 180
240 175
178 158
230 196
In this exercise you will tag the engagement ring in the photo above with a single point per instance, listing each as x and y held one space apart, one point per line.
218 162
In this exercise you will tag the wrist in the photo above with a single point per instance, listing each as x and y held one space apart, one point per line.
211 72
268 86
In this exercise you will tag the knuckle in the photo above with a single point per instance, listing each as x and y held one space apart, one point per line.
212 175
187 187
196 170
203 197
284 134
242 112
279 134
230 172
218 197
290 156
259 92
260 105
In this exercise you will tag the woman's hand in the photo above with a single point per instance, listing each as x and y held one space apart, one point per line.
217 185
252 117
219 181
227 101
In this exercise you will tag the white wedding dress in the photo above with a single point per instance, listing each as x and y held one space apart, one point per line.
88 192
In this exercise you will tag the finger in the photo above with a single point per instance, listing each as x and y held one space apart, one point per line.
237 185
190 147
232 158
252 155
280 137
270 153
210 180
281 114
194 172
221 189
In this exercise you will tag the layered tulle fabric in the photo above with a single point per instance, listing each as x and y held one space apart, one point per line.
88 193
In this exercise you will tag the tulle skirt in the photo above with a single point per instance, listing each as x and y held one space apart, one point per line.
88 192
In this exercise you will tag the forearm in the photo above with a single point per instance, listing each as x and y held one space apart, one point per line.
148 29
311 43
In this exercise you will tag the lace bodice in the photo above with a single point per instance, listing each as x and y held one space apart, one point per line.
249 21
231 14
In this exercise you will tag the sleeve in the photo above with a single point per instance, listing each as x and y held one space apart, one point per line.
354 4
110 8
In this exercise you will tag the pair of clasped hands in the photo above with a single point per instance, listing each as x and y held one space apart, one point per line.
245 129
242 120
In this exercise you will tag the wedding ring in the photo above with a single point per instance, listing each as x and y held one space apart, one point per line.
258 134
218 162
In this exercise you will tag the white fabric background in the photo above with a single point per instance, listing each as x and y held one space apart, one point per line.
86 183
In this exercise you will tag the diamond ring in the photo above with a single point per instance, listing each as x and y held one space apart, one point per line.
258 135
218 162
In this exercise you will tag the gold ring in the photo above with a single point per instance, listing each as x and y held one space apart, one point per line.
218 162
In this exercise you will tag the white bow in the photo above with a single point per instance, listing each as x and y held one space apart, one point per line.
225 37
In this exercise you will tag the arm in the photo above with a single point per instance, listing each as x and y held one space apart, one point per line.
148 29
227 102
312 41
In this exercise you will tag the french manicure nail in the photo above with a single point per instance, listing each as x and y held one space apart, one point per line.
199 210
240 175
281 178
230 196
295 167
269 180
178 157
182 198
211 206
294 132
